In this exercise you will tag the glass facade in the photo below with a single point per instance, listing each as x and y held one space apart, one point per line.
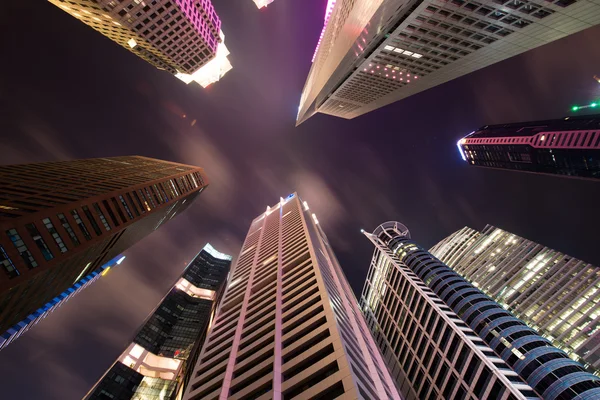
406 283
155 364
554 293
566 147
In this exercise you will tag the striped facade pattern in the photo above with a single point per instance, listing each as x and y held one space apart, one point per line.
372 51
430 351
554 293
288 326
568 147
548 370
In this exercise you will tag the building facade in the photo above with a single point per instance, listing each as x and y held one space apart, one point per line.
60 221
554 293
568 147
289 326
182 37
375 52
443 338
32 319
155 366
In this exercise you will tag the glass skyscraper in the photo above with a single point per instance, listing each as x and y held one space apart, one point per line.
289 326
60 221
156 365
554 293
443 338
568 147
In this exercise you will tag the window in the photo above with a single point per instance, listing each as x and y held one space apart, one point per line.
67 226
90 217
111 214
102 217
116 205
139 202
126 207
133 205
39 241
15 238
81 225
7 263
52 231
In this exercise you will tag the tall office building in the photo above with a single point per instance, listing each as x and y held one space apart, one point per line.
443 338
182 37
554 293
375 52
289 326
17 330
59 221
567 147
156 365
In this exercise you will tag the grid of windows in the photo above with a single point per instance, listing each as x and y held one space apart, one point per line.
55 235
172 35
429 350
174 330
434 40
54 230
21 247
567 315
506 335
288 321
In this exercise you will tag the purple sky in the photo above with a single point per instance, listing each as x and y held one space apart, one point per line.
67 92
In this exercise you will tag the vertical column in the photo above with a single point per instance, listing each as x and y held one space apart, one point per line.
227 378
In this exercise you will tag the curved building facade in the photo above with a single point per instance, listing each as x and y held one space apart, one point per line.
554 293
546 369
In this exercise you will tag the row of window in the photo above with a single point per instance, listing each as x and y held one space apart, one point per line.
134 202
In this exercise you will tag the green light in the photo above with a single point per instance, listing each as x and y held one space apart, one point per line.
575 108
593 105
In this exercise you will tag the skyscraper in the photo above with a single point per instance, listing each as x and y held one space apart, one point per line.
567 147
182 37
59 221
156 365
554 293
31 320
289 325
375 52
443 338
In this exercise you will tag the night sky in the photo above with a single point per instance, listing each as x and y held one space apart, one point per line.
67 92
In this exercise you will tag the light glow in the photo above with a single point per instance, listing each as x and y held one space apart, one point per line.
212 71
215 253
262 3
187 287
120 260
460 149
132 43
328 11
105 271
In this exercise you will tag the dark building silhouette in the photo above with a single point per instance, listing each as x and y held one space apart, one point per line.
59 221
156 365
567 147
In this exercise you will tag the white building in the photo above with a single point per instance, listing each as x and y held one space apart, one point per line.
289 325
